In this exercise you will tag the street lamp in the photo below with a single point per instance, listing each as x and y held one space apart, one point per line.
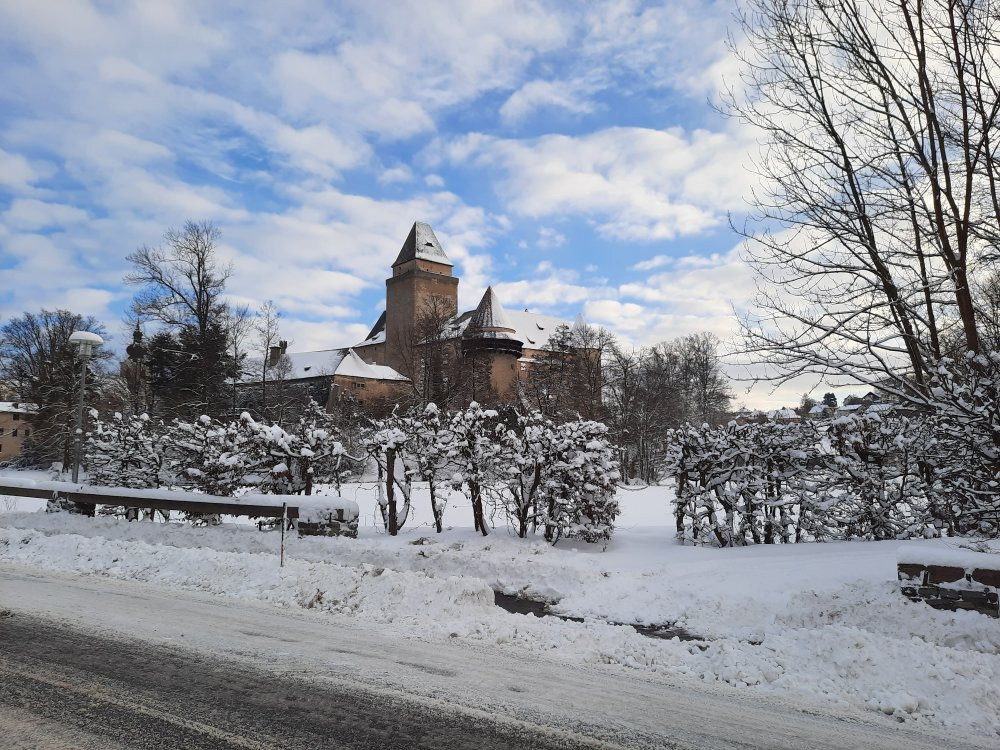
85 342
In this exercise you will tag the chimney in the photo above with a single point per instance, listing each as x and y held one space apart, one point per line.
275 353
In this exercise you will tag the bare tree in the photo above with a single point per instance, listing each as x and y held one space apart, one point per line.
567 380
239 326
266 325
182 284
879 172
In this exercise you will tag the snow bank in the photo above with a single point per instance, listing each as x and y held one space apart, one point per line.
948 556
373 593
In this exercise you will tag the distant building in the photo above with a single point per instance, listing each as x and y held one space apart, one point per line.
421 334
15 426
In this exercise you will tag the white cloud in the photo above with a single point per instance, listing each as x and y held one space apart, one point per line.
394 175
637 184
30 214
19 175
541 95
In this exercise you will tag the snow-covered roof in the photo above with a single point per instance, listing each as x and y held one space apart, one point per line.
377 334
314 364
882 407
818 409
17 407
490 315
423 244
330 362
782 414
353 366
531 329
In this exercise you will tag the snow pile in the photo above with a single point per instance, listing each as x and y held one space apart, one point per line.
318 508
372 593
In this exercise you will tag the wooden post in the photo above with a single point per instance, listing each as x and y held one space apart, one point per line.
284 521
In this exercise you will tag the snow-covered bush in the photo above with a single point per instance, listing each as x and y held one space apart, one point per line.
856 477
526 451
536 473
580 480
875 467
309 452
125 451
216 458
964 457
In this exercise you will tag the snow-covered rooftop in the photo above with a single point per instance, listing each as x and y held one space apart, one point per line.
17 407
315 364
353 366
329 362
532 329
490 315
421 243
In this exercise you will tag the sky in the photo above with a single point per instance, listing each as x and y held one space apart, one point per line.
570 154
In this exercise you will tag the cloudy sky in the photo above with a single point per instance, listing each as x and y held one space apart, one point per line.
566 153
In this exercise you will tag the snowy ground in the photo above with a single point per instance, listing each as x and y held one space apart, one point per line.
820 622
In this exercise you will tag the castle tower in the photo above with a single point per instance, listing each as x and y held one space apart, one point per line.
421 287
491 347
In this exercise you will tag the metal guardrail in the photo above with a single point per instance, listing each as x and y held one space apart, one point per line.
184 501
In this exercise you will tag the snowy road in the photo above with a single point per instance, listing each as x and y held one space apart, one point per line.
211 673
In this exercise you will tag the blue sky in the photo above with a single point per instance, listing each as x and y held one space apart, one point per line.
566 153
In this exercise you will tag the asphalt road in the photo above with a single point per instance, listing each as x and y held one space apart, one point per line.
65 687
87 662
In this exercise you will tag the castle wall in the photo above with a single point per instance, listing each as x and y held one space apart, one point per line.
374 395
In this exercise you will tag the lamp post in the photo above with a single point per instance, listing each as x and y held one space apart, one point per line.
85 342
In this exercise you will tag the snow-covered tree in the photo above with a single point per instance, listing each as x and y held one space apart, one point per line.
429 454
473 449
580 484
526 450
388 446
877 473
964 459
125 451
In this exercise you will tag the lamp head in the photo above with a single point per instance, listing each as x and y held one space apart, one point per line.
85 341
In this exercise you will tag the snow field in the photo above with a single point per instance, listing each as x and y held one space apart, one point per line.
820 623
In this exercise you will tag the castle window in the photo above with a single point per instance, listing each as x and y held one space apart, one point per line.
16 416
13 433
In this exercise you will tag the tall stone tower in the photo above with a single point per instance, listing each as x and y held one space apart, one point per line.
421 285
491 348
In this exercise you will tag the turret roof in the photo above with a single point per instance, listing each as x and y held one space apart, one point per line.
490 315
423 244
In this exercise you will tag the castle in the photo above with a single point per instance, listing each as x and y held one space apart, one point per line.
422 346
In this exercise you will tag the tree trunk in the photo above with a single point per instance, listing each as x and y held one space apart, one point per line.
390 478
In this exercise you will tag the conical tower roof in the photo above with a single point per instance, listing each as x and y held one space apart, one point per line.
423 244
490 315
489 329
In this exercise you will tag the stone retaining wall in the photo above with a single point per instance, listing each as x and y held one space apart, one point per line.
952 586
